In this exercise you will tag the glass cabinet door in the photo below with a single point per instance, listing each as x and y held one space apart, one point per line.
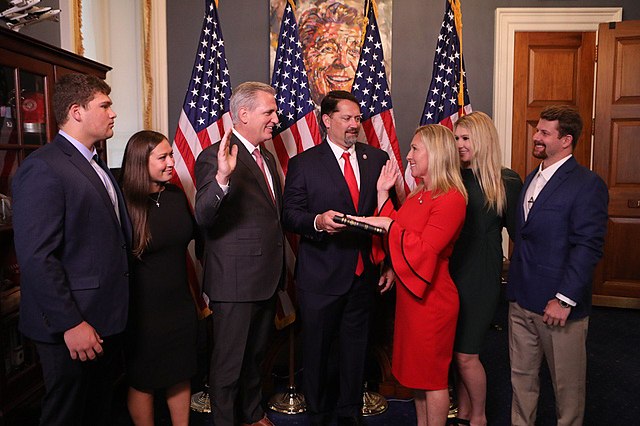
8 115
24 117
9 138
33 110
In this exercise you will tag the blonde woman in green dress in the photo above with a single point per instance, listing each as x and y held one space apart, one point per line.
476 262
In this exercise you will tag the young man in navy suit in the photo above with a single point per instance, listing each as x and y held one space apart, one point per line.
72 237
562 221
335 278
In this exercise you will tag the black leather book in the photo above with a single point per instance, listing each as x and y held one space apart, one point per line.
357 224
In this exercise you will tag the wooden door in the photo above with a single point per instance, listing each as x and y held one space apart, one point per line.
550 69
617 160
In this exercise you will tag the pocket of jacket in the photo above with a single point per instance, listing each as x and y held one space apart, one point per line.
85 283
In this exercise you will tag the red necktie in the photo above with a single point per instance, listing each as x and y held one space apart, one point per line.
258 155
350 177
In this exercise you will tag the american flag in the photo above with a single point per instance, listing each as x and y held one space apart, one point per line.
297 130
448 97
203 119
371 89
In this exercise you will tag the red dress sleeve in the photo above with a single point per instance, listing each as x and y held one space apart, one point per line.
377 244
416 253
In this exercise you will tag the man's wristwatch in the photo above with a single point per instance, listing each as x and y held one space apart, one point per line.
563 304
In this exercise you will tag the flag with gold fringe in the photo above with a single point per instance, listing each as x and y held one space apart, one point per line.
297 131
203 120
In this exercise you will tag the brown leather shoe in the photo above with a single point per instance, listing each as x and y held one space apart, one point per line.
262 422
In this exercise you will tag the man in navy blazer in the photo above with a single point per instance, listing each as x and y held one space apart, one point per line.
238 205
562 220
72 236
335 278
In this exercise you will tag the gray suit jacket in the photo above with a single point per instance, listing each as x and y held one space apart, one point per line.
244 241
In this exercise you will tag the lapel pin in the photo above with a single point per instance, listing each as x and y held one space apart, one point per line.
364 156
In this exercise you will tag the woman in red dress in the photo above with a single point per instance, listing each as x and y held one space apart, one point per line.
419 240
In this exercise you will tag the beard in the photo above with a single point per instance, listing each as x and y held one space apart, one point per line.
539 153
542 155
351 137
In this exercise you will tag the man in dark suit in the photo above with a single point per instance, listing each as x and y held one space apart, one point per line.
238 205
72 236
562 220
335 278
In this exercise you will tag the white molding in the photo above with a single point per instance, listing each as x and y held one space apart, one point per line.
160 96
508 22
67 40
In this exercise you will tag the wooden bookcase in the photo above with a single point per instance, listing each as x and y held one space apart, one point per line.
28 71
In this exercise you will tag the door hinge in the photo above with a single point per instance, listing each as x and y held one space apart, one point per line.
596 55
593 127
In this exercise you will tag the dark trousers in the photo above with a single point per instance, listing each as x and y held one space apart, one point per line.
79 392
240 334
328 320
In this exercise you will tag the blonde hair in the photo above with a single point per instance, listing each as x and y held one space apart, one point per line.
486 162
443 161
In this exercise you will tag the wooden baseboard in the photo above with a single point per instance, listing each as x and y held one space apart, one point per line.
615 301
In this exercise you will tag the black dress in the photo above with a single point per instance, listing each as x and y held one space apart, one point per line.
476 262
161 349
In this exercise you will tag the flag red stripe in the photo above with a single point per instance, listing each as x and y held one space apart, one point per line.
390 128
370 133
281 153
314 129
185 151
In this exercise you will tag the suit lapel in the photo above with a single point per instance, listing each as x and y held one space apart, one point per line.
525 187
366 176
246 158
270 164
89 173
554 183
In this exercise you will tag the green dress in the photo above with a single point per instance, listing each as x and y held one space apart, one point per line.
476 262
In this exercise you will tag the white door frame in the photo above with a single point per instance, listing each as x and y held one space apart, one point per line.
508 22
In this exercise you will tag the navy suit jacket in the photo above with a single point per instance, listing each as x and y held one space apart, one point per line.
326 263
72 251
558 247
244 240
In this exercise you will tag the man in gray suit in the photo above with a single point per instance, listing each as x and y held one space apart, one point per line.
238 205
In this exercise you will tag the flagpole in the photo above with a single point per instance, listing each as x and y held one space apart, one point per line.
296 131
290 401
457 12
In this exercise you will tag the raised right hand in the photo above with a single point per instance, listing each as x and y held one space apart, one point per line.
227 159
83 342
388 176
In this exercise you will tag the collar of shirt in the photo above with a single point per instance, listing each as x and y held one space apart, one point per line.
337 151
86 153
548 172
353 159
248 145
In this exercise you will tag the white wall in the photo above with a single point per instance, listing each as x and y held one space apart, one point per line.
112 32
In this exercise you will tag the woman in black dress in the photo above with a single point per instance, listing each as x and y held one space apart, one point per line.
476 262
161 344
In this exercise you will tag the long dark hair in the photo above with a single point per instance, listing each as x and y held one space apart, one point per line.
135 182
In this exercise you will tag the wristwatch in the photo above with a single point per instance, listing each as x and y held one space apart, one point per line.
563 304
